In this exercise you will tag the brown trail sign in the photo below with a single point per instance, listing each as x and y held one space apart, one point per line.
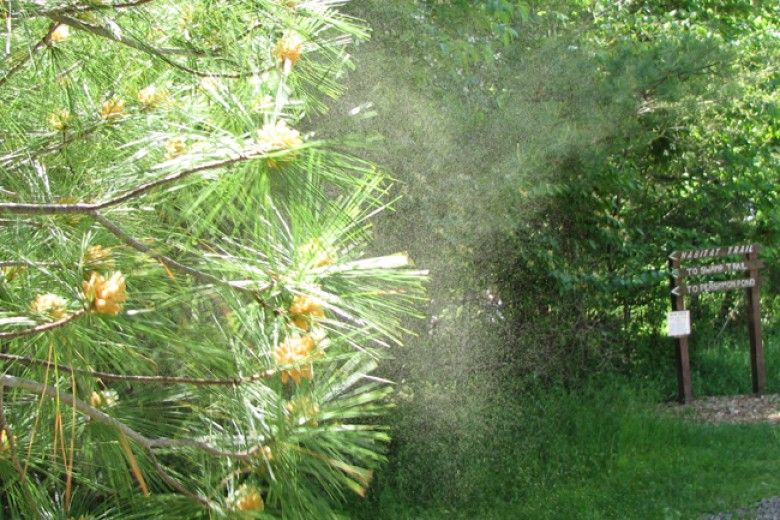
713 286
731 267
750 265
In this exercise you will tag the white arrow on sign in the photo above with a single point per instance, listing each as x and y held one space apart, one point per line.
726 285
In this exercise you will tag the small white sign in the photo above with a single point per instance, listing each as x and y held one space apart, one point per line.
679 323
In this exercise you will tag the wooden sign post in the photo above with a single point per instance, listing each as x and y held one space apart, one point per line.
751 264
684 390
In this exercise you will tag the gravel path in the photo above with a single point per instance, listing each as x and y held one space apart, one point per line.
734 409
766 509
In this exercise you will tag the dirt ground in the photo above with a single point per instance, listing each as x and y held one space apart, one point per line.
736 409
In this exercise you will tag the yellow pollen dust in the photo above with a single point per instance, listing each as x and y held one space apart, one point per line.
151 96
98 255
289 48
267 453
95 399
249 499
5 442
59 120
175 147
317 252
303 410
295 350
304 309
113 108
105 295
278 136
60 34
104 398
49 304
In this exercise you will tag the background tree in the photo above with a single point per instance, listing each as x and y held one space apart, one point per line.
188 321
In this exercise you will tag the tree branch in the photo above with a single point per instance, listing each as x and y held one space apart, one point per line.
43 328
147 444
175 484
9 435
77 9
25 263
102 7
103 418
41 43
139 45
64 139
195 273
14 222
85 208
160 380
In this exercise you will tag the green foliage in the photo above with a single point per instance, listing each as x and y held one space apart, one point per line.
689 136
544 183
590 150
222 366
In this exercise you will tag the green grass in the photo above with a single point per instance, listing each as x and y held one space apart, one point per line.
604 451
723 366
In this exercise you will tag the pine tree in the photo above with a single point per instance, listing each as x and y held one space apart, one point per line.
188 321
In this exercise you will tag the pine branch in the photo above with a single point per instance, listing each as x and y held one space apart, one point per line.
170 262
276 222
25 263
43 328
23 61
175 484
96 415
86 208
79 8
133 43
123 5
9 435
131 378
102 7
64 140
